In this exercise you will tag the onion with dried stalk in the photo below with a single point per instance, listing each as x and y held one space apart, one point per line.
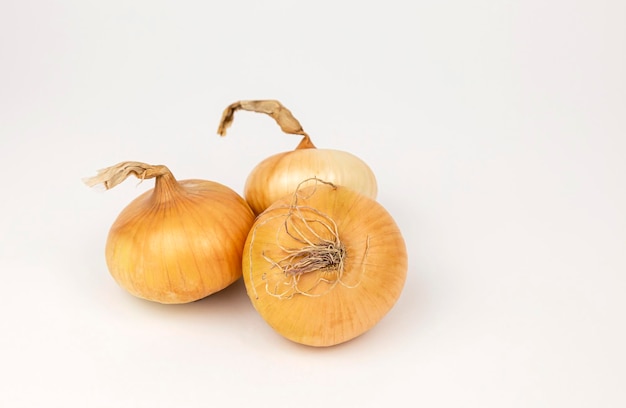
178 242
280 174
324 265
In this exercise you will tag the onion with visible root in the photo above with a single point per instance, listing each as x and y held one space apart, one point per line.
280 174
178 242
324 264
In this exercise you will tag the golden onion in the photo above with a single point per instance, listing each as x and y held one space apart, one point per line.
280 174
324 265
178 242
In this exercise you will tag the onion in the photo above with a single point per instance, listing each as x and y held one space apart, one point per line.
324 265
280 174
178 242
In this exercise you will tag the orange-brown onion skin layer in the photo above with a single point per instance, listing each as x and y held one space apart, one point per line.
341 313
280 174
180 246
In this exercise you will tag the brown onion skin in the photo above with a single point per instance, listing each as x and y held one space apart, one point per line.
179 242
375 269
280 174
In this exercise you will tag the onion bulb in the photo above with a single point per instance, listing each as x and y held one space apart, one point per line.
178 242
280 174
324 265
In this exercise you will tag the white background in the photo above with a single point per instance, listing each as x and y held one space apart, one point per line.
496 130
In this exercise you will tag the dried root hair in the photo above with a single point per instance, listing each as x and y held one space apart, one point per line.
316 250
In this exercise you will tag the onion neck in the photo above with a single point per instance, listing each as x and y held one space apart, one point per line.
166 188
305 143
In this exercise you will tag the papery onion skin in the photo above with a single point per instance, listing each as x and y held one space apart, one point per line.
179 242
282 173
374 269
